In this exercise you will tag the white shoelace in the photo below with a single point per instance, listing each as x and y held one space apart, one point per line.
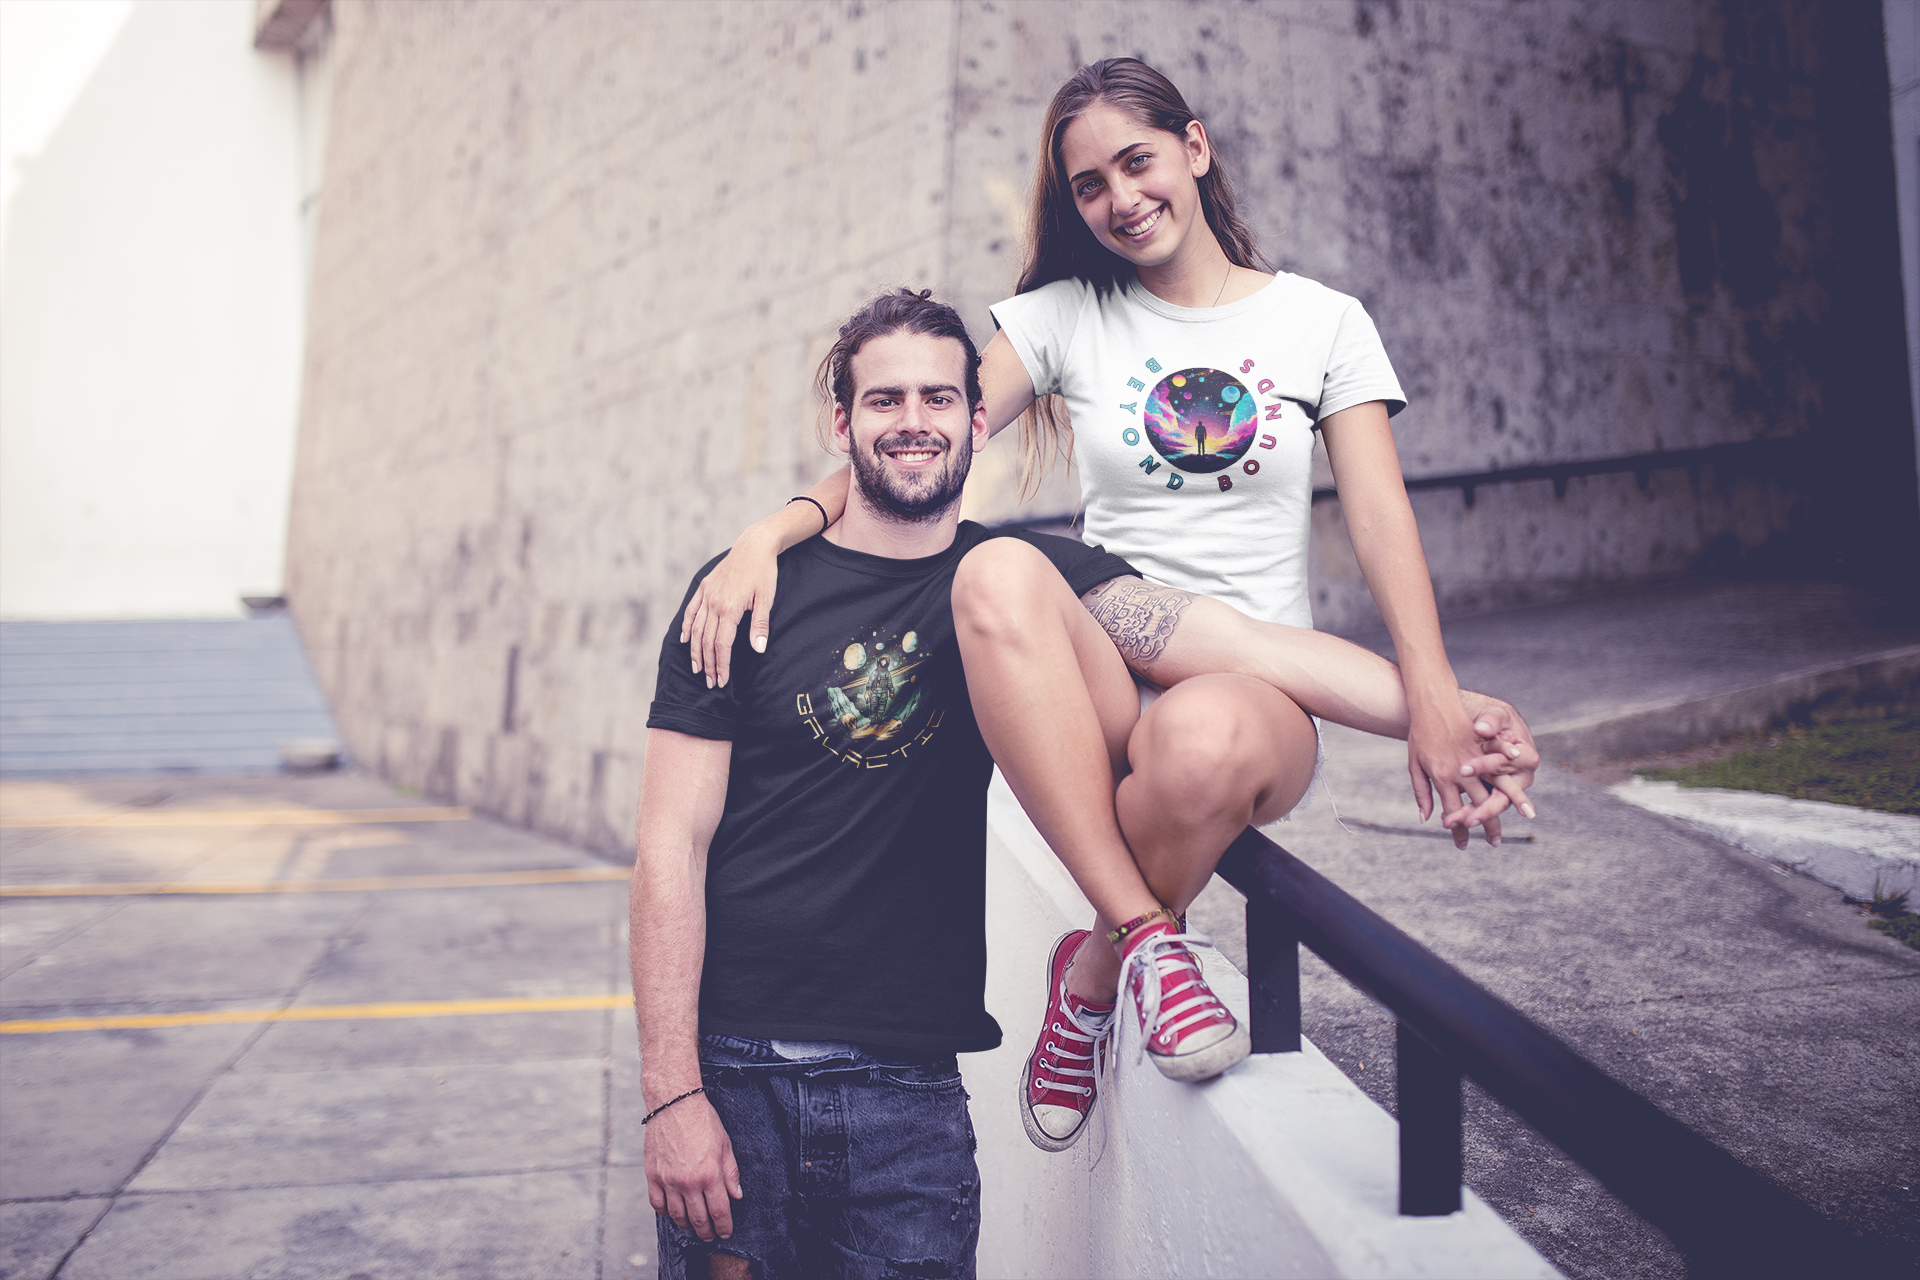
1086 1030
1163 1013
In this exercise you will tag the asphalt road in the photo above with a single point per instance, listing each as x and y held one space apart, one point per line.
458 1139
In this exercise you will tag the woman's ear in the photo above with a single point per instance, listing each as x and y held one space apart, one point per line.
1199 149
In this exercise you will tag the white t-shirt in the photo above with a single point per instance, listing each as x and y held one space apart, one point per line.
1193 429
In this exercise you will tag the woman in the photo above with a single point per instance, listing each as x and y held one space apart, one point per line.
1195 378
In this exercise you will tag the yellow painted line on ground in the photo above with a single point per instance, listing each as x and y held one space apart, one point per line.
320 1013
357 884
238 817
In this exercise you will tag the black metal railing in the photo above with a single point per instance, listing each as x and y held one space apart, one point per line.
1771 455
1723 1216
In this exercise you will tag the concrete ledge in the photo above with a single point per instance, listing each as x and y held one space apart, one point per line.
1854 850
1283 1167
1668 726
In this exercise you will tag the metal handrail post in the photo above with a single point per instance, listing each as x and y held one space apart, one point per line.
1726 1217
1273 977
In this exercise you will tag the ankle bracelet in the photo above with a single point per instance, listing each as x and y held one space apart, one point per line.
1141 922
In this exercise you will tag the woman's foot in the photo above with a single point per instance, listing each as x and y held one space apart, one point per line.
1185 1029
1057 1090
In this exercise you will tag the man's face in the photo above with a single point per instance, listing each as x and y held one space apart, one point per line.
911 434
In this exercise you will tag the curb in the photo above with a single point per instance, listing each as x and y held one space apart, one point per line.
1667 726
1858 851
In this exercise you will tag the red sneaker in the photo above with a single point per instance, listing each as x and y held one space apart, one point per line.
1185 1029
1057 1088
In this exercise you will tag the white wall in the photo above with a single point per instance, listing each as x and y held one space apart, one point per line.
1903 74
1282 1167
150 329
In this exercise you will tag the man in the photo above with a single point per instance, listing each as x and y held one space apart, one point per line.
809 900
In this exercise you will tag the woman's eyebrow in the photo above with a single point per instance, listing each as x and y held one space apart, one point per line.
1118 156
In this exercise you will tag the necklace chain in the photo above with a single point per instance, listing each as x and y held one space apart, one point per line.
1223 285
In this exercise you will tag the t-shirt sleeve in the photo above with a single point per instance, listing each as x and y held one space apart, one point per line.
1040 326
1357 366
1083 567
681 700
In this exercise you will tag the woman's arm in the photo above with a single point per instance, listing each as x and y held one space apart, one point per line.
747 578
1441 748
1167 635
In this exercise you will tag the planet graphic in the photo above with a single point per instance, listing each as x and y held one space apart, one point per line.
1200 419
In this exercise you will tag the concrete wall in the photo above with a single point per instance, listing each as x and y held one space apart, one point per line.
564 316
1902 21
151 330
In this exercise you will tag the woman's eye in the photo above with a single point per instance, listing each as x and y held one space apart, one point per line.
1086 189
1138 160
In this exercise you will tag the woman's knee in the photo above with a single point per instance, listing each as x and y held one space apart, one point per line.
1218 739
996 576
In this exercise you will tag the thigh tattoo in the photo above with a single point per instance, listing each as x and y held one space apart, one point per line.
1139 616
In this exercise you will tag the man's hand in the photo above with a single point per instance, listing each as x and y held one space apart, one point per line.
691 1173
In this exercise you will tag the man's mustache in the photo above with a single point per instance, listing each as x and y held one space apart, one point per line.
901 440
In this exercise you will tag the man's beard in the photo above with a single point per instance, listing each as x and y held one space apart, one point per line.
915 499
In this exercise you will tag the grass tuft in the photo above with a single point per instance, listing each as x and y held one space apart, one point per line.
1905 928
1868 763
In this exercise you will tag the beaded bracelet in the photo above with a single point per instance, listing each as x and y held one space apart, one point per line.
669 1102
1140 922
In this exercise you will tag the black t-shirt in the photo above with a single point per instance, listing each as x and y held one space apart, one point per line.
846 884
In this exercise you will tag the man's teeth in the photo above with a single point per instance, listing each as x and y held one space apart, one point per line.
914 455
1144 225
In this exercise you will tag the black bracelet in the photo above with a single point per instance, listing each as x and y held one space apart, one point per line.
669 1102
824 522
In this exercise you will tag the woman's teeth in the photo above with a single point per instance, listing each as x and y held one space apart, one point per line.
1145 225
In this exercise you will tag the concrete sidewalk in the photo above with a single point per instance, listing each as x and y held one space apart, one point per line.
457 1140
1748 1002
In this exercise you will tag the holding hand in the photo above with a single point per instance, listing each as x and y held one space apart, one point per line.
692 1176
1473 767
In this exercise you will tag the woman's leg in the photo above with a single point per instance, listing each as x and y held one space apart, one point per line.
1212 756
1056 705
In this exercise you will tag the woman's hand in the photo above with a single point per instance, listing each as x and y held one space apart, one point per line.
1476 771
744 580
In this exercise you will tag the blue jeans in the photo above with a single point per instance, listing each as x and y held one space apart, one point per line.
856 1162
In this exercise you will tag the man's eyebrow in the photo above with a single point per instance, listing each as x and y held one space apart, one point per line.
1118 156
926 389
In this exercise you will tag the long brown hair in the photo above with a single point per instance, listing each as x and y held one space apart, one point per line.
1060 246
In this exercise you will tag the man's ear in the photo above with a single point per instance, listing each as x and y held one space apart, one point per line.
842 429
1199 149
982 433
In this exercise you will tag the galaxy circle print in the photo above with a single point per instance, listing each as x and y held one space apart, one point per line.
1200 419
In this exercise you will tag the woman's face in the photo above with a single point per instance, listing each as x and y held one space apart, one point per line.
1135 186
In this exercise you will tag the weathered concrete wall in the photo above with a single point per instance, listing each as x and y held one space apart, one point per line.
576 261
574 268
1586 231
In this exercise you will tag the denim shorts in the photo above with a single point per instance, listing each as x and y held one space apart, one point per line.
856 1162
